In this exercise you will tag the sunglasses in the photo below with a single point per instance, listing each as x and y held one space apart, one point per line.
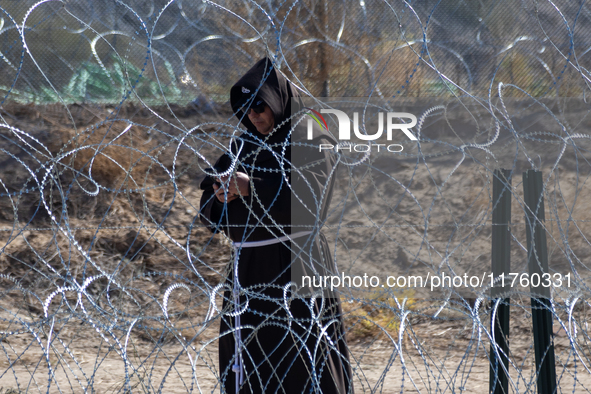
257 108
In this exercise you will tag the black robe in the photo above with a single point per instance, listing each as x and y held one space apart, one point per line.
289 344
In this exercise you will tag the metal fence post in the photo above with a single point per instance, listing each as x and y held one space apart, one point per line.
541 305
501 265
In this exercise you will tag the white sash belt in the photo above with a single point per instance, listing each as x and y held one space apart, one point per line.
238 366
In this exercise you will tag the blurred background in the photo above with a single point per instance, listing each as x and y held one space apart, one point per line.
155 51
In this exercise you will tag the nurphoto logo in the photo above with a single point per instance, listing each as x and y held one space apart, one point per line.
393 123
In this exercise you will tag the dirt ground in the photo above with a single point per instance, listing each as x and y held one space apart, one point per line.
426 363
105 270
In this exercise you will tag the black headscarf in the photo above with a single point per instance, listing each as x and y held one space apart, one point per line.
264 82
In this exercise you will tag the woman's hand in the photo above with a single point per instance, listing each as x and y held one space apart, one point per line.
236 184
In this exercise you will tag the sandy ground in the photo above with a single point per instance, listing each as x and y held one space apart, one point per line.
449 360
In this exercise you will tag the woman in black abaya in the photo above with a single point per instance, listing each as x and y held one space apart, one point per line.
271 341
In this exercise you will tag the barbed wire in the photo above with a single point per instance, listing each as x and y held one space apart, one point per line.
112 114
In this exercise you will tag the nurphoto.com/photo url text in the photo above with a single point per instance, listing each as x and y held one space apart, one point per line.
442 280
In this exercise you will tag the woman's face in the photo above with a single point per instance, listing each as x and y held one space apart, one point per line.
264 121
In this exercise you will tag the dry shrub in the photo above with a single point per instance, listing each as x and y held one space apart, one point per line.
374 314
110 155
